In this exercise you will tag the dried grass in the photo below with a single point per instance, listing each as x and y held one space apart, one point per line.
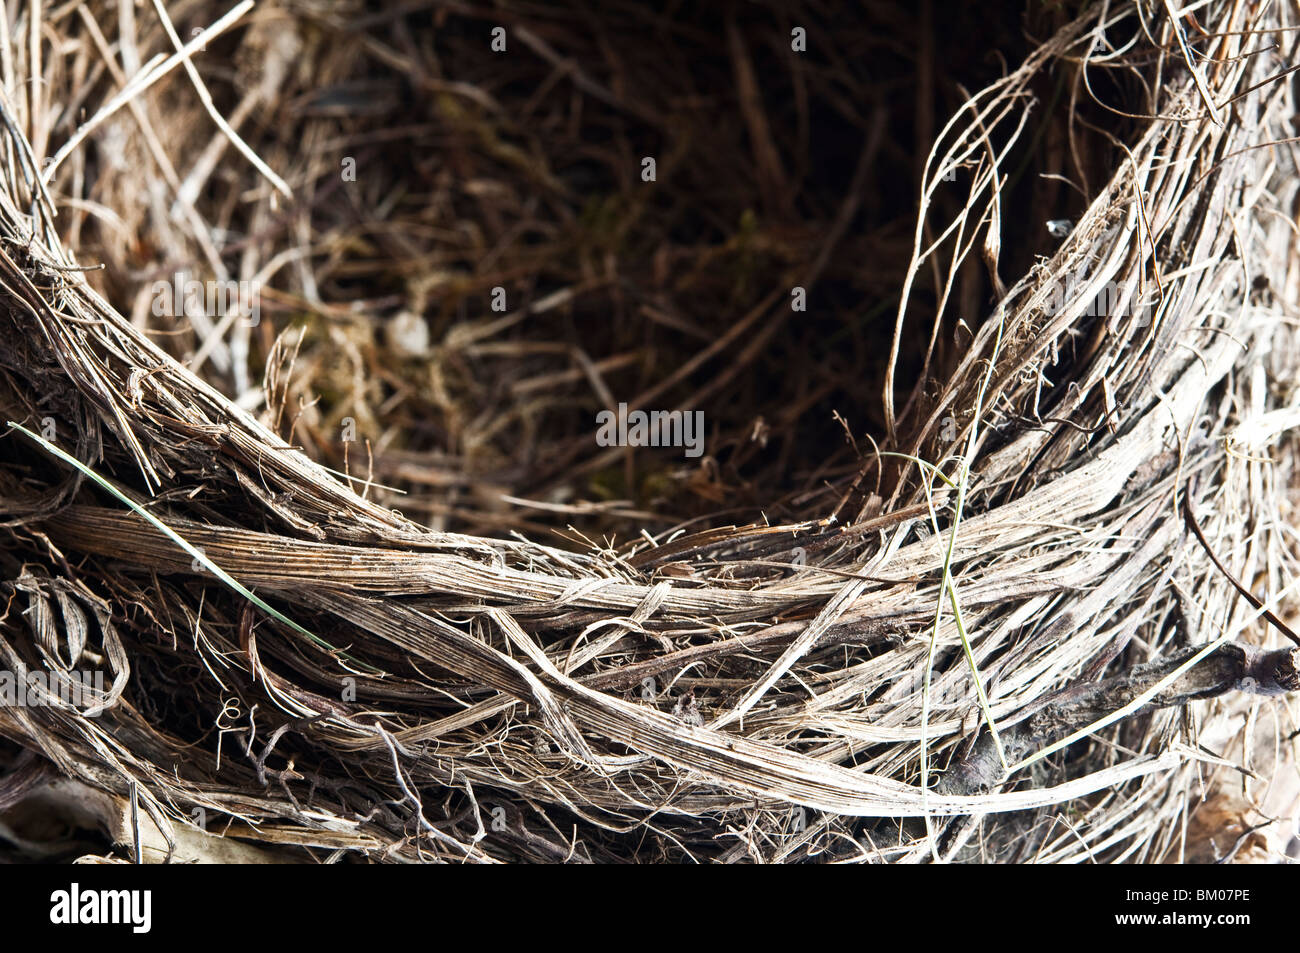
768 691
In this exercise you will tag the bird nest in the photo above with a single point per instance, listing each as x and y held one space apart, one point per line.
953 572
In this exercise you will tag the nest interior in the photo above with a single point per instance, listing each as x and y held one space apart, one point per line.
985 336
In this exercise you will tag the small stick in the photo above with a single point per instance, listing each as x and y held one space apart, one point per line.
1249 596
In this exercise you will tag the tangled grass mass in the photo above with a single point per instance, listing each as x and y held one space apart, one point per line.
994 346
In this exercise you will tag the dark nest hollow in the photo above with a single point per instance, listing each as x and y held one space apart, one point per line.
989 546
